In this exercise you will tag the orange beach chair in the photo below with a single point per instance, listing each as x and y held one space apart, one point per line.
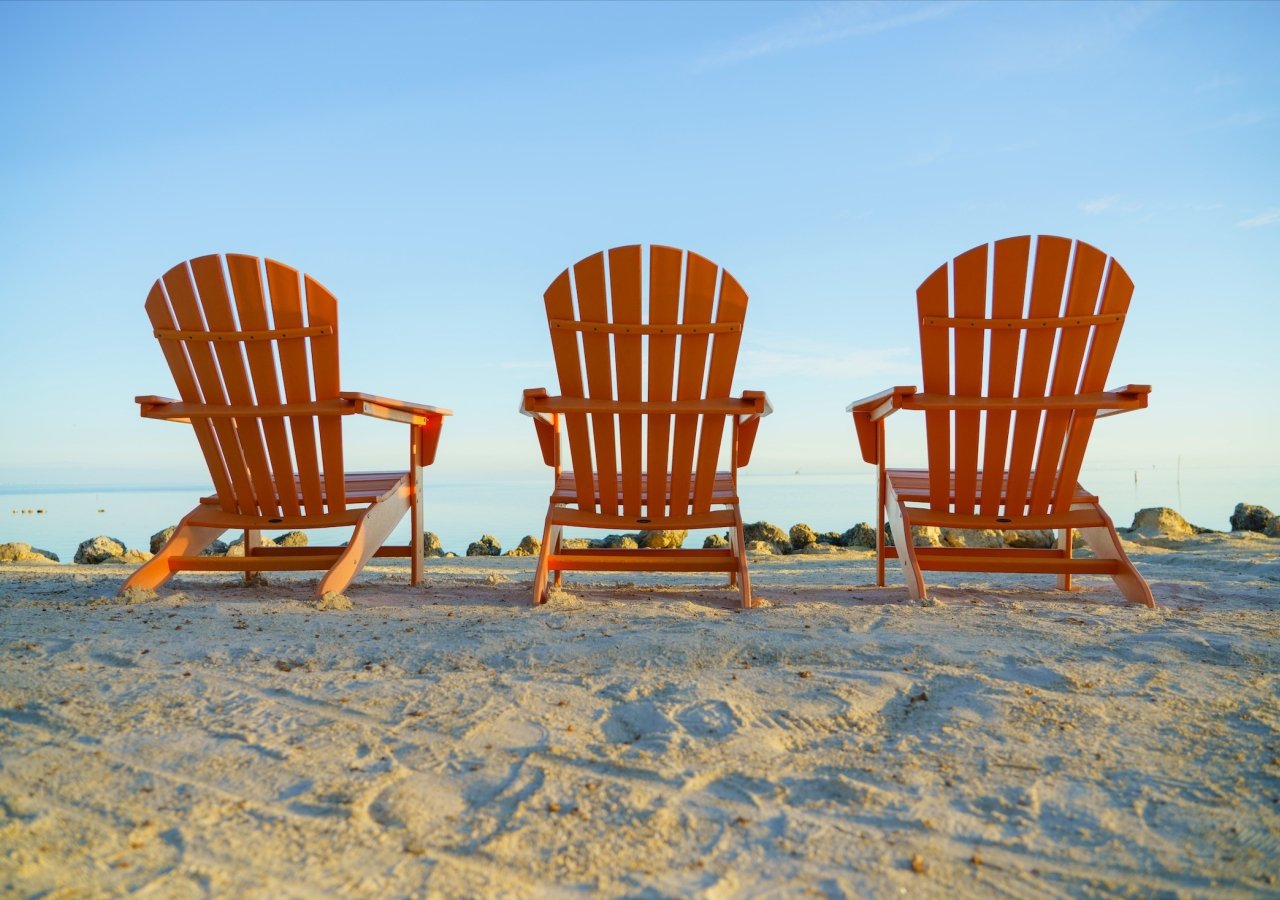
253 347
1016 340
646 455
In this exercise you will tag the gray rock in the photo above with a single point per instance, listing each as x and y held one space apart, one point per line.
834 538
770 534
1249 517
431 545
921 536
529 546
18 552
971 537
236 547
760 548
616 542
802 536
662 540
133 557
1271 529
860 535
291 539
1160 521
716 542
487 546
161 537
1032 539
99 550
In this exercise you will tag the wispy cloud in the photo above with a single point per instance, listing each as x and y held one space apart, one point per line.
1262 219
828 25
1114 203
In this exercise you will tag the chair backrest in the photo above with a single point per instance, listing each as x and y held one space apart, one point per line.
1024 318
253 333
668 331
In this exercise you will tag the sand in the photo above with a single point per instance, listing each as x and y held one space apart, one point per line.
643 738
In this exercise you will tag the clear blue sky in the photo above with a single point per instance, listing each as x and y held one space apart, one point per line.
437 165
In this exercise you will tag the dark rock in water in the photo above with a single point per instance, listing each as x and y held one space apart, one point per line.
99 550
1249 517
860 535
487 546
716 542
528 546
802 536
769 533
18 552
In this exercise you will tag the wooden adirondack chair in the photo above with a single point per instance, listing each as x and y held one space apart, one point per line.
645 456
1016 351
275 458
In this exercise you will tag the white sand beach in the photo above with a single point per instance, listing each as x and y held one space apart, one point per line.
643 738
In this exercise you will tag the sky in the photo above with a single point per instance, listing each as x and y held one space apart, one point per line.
437 165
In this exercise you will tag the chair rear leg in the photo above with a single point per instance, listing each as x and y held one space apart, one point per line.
1105 544
252 541
738 543
1064 544
550 544
900 525
187 540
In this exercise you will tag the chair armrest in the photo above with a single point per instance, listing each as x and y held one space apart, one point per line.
870 411
1128 398
546 424
152 406
427 419
749 423
395 410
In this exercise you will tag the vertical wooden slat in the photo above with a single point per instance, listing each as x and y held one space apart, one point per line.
699 297
212 286
935 355
624 289
185 380
969 277
564 346
322 309
664 307
1008 290
1082 299
597 352
732 308
1116 293
186 309
246 285
286 308
1052 256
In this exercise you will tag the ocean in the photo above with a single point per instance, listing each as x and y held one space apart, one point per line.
460 511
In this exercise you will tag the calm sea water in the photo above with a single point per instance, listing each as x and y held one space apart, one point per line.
461 511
